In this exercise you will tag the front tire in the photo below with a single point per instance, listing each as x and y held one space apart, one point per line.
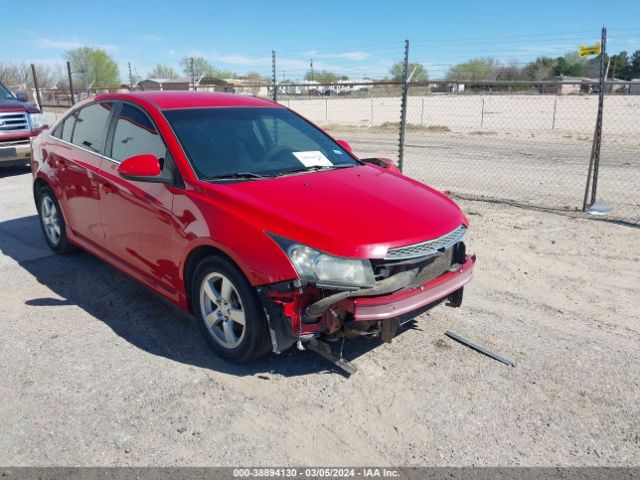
229 311
52 222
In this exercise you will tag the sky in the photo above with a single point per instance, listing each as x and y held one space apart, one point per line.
354 38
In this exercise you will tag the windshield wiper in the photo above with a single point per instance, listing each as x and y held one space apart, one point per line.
237 175
313 168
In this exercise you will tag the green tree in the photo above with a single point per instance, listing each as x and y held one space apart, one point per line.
93 67
539 69
419 72
634 68
322 76
202 68
571 65
620 66
479 69
163 71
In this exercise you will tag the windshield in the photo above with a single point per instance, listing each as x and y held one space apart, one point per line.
252 143
4 93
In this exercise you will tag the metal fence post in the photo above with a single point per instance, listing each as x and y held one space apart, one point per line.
403 107
371 110
555 106
73 100
482 115
422 112
274 86
594 161
35 84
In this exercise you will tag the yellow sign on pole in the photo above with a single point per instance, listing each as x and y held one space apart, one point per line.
585 50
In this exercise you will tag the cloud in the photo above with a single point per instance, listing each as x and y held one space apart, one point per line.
72 43
356 56
62 44
109 48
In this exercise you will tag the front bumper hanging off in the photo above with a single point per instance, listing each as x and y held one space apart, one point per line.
294 315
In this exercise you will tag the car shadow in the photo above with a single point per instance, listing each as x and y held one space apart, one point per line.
138 315
6 172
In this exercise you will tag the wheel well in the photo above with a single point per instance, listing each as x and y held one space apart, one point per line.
193 259
37 185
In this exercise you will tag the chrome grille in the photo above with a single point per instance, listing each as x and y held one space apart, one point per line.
13 122
429 248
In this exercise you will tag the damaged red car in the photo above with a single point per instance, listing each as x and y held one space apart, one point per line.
259 223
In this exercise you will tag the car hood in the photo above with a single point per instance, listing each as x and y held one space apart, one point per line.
15 105
356 212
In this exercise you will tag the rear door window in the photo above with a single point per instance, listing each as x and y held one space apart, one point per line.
67 127
91 126
135 134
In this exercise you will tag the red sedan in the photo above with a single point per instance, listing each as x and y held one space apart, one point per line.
237 209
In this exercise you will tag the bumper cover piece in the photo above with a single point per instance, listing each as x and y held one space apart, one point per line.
382 308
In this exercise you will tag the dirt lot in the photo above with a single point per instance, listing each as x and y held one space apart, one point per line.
95 370
545 170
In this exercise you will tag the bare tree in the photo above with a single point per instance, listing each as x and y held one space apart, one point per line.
163 71
255 81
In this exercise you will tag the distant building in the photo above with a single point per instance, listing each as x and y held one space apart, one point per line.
214 84
249 86
576 85
164 84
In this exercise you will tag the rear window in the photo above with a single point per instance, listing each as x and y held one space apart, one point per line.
67 127
91 126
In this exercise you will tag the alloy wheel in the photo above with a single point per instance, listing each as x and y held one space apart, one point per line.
222 310
50 219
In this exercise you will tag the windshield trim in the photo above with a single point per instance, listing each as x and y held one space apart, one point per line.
203 178
8 95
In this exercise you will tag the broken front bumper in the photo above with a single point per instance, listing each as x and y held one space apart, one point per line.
407 301
295 313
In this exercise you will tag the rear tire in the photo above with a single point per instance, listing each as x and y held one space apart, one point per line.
52 222
228 310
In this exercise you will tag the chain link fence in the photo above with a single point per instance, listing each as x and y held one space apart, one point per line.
514 142
530 149
527 144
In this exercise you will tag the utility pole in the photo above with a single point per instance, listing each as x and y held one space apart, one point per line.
35 84
311 65
403 107
130 76
70 84
193 75
594 162
274 84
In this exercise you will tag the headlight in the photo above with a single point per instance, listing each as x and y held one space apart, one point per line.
37 121
315 266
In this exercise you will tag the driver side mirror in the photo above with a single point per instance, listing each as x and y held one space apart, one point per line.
344 144
144 168
22 97
382 162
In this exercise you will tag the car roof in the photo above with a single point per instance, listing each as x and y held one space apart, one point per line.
182 99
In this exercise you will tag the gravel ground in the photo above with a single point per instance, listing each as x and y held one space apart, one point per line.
95 370
544 169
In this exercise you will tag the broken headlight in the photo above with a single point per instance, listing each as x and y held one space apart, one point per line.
323 269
